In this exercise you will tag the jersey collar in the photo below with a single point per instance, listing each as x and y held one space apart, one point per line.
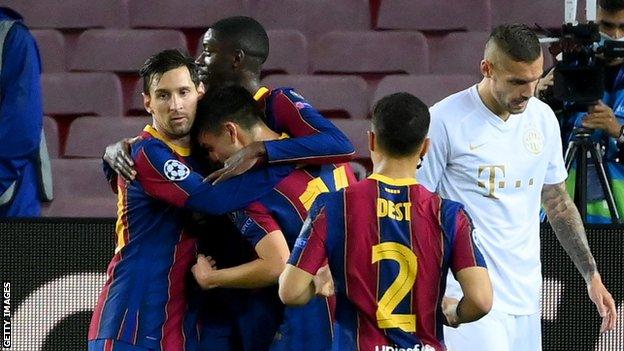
182 151
392 181
261 93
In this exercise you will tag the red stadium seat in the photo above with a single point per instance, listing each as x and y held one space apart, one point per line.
51 49
188 14
122 50
81 94
312 17
288 52
88 136
435 15
50 129
343 95
457 53
71 14
429 88
546 13
80 190
136 100
375 52
356 129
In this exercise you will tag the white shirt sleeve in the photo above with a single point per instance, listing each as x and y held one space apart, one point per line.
556 171
435 161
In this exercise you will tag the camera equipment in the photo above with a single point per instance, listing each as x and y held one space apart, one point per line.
580 82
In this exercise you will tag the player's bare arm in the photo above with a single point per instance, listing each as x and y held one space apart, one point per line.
117 156
477 301
264 271
566 221
296 286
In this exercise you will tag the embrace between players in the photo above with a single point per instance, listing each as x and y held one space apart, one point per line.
361 265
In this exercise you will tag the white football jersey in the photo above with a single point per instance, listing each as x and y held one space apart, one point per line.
497 169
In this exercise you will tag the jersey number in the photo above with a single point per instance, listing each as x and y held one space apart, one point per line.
316 186
400 287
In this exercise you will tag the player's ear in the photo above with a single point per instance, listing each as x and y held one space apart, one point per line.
238 58
146 102
486 68
201 90
371 140
230 128
425 147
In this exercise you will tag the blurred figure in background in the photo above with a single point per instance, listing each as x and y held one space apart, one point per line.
21 113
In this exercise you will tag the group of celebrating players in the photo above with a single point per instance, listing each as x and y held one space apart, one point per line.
316 260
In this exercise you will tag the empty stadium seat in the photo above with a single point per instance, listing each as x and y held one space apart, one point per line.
88 136
312 17
81 94
332 95
70 14
50 129
122 50
288 52
355 130
429 88
458 52
376 52
546 13
51 46
188 14
435 15
136 100
80 190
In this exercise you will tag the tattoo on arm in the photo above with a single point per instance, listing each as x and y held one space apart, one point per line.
566 221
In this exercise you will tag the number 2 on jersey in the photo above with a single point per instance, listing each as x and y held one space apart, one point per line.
400 287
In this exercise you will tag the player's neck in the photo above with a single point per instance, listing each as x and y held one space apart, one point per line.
260 132
181 141
396 168
250 81
483 88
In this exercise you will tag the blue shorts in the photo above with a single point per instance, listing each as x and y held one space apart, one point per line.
113 345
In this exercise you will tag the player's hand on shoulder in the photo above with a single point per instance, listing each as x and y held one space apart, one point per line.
240 162
604 302
449 309
323 282
117 156
203 271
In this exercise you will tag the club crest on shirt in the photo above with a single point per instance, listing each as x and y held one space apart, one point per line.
533 141
176 171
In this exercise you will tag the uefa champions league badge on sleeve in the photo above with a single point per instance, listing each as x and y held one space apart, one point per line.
176 171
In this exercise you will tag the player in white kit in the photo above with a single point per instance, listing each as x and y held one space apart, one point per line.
498 151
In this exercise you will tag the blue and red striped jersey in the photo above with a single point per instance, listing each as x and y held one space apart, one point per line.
314 139
285 208
144 300
389 244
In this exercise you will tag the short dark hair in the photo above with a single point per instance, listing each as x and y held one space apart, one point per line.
611 5
244 33
165 61
518 41
400 123
228 104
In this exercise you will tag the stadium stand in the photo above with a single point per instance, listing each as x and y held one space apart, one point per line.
457 52
429 88
81 94
71 14
435 15
194 13
84 143
334 96
549 13
122 50
376 52
51 132
80 190
288 53
355 129
312 17
51 45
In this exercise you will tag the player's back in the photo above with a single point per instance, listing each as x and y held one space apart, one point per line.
307 327
144 300
389 248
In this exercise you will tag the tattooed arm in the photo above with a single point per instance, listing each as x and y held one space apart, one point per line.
566 221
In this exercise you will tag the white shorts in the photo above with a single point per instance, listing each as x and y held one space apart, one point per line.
497 331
